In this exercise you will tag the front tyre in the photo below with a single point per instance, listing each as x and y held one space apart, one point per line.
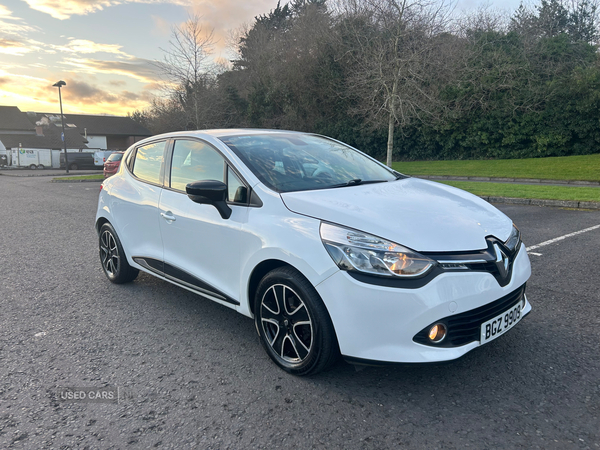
293 324
112 257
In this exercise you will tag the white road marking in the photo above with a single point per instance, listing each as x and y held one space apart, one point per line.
560 238
534 254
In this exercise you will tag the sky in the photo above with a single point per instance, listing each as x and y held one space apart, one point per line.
106 50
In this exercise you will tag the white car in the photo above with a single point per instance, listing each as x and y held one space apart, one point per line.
326 248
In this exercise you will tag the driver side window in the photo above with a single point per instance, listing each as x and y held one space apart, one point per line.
195 161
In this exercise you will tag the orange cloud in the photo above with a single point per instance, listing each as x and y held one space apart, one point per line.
37 94
13 47
222 16
140 69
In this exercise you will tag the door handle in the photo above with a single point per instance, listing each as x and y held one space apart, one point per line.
168 216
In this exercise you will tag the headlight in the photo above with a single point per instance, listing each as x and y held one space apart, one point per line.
354 250
514 240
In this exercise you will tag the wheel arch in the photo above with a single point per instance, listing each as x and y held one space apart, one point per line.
263 268
101 221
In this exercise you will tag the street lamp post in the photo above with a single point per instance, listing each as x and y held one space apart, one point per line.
59 84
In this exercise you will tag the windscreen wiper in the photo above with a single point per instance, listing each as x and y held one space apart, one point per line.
356 182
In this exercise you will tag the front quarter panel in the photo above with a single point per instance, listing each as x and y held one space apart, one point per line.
273 233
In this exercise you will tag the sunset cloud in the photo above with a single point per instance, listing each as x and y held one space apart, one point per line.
139 69
84 46
81 91
220 18
221 15
5 12
103 74
11 25
13 47
64 9
23 89
37 94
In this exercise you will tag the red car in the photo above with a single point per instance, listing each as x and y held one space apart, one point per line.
111 166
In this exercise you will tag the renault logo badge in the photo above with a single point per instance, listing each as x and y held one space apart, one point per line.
502 262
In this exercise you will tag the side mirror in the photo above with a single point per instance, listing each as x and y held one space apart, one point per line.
210 192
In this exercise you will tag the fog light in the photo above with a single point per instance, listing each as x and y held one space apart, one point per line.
437 333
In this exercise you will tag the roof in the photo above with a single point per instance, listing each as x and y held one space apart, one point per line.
11 118
222 132
107 125
51 139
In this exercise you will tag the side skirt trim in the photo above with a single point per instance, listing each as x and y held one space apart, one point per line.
183 278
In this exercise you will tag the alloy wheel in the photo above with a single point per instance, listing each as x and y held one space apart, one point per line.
109 253
286 324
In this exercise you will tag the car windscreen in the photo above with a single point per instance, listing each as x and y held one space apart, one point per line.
300 162
115 157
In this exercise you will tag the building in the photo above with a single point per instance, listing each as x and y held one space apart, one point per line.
107 132
84 133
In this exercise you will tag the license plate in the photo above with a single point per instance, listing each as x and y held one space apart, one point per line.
499 325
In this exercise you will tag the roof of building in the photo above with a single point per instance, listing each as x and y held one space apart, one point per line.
107 125
17 127
11 118
51 139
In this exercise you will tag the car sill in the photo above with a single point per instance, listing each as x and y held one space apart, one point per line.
199 290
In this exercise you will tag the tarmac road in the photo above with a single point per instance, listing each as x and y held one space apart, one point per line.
192 373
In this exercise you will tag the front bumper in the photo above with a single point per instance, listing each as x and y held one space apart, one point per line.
378 323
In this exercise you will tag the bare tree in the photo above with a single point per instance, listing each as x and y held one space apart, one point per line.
397 60
188 67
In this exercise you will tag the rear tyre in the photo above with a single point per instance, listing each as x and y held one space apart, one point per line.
293 324
40 166
73 166
33 167
112 257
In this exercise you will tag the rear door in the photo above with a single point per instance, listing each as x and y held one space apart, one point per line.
136 208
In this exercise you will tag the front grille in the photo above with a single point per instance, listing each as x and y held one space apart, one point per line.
465 327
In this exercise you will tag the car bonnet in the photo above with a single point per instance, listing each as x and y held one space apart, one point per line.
422 215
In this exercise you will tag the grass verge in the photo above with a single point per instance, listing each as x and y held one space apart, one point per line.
98 177
584 168
544 192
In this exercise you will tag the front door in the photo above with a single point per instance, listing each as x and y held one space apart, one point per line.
201 249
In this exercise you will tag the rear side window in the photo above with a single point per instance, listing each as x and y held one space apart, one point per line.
195 161
148 162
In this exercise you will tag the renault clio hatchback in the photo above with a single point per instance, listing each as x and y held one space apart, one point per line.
329 251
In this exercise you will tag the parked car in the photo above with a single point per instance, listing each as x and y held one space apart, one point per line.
78 160
111 166
327 249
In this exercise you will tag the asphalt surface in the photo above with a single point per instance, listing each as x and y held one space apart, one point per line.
195 375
